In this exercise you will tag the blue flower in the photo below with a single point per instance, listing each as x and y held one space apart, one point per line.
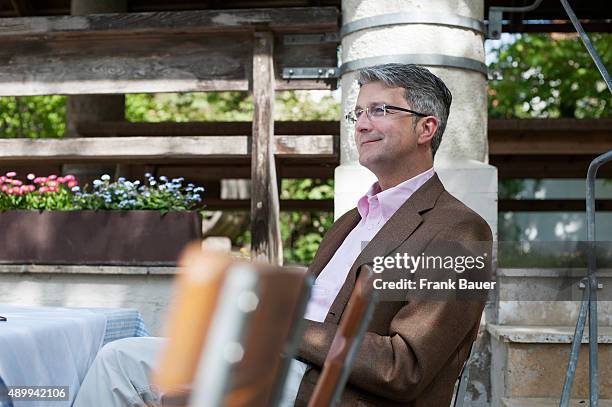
163 178
75 189
121 180
105 177
97 183
198 189
148 175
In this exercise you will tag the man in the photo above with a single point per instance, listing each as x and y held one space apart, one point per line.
414 350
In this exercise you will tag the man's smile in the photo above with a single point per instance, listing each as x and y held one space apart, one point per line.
370 141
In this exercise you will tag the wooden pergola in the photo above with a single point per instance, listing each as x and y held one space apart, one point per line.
255 46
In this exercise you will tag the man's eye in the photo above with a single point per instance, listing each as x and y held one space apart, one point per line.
378 110
358 113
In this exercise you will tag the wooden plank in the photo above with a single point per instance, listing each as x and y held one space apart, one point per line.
208 171
186 63
22 7
551 205
545 166
168 129
148 148
266 243
294 19
549 136
285 204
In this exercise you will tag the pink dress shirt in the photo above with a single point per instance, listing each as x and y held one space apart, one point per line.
375 208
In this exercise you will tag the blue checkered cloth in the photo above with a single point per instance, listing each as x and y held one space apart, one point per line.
122 323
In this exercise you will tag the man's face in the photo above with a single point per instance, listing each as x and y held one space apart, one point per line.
384 142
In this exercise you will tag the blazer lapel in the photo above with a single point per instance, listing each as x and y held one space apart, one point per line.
332 241
395 231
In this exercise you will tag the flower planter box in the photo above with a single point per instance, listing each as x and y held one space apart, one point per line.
135 237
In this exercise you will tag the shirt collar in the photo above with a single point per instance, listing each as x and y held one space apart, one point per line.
391 199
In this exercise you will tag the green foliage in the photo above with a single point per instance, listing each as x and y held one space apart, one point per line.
186 107
32 116
550 75
302 232
228 106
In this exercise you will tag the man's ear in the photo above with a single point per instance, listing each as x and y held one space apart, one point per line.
426 128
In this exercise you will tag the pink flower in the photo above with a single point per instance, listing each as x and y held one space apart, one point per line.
52 177
69 177
11 174
4 188
72 184
52 189
31 176
17 183
38 180
2 179
52 184
61 180
15 191
43 190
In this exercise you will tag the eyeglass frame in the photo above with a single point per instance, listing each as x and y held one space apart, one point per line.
351 117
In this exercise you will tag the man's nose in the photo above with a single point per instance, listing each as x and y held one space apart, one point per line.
363 123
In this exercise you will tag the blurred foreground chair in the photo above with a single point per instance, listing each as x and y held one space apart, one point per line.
349 335
233 328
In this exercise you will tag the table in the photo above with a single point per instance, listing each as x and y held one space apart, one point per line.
45 346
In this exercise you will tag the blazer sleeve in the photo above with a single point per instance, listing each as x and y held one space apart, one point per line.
422 337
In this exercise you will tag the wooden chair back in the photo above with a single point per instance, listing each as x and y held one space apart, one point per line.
352 328
233 327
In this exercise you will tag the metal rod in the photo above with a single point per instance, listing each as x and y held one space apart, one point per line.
592 268
587 43
576 341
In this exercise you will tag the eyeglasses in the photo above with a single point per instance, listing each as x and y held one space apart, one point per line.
377 112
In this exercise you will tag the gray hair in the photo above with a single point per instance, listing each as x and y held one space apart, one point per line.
424 91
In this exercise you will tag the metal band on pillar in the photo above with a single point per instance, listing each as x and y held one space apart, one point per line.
417 59
451 20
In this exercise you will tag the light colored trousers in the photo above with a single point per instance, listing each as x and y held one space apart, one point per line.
120 376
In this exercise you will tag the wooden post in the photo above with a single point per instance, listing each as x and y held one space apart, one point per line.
93 107
265 232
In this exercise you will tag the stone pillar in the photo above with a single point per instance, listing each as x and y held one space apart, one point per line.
93 107
446 37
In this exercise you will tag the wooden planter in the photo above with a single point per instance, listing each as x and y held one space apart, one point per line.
96 238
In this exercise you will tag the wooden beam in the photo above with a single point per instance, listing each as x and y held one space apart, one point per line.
22 7
157 148
285 204
293 19
551 205
549 136
168 129
191 51
545 166
266 244
210 171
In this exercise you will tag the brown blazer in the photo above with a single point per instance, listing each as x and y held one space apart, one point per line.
413 352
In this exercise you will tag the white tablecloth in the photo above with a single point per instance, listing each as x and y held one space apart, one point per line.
42 346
